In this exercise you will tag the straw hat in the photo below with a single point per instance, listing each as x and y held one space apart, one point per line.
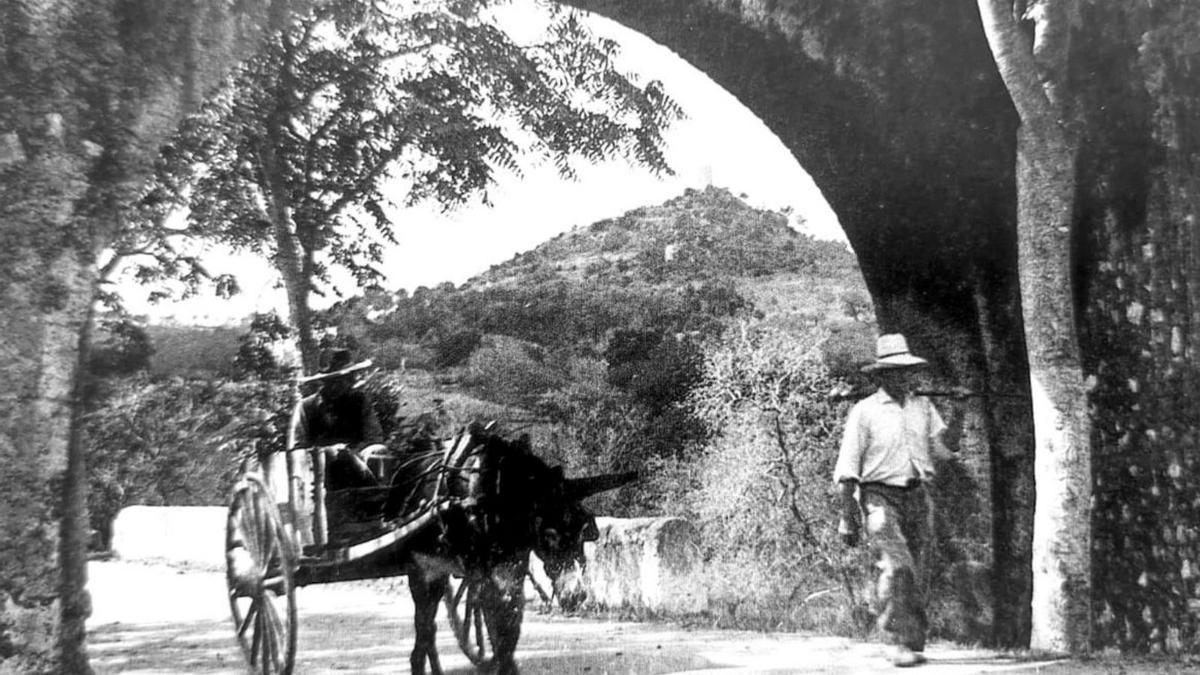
891 351
336 363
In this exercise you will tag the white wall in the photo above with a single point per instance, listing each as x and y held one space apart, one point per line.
178 534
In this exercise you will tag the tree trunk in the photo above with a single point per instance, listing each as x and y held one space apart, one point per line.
293 258
1061 617
80 69
1061 608
40 466
293 261
74 527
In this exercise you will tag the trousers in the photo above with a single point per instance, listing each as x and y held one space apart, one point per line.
899 533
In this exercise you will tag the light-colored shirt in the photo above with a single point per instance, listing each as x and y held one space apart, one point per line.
887 442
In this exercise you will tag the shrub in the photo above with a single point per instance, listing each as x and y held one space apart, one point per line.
508 369
122 348
456 348
764 500
177 442
256 355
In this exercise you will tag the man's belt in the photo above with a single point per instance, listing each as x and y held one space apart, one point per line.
912 484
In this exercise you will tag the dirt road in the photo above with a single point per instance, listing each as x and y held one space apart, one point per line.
155 619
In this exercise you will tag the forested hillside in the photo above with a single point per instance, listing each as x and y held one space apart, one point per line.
687 266
698 236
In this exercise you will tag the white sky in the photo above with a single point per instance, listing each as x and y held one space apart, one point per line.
720 142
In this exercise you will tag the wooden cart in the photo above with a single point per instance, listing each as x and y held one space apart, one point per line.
268 556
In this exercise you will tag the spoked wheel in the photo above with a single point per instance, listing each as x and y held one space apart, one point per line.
260 573
465 609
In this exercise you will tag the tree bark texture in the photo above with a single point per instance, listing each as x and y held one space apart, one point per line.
1033 71
293 260
46 307
88 92
1061 617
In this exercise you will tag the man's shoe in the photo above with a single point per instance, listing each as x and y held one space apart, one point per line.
904 657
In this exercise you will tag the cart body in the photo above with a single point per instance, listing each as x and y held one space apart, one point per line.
475 507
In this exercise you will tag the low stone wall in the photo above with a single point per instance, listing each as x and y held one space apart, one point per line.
645 563
637 563
193 535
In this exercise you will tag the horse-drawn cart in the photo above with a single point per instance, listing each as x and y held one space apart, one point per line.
459 519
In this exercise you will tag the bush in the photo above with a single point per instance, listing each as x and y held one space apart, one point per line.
122 348
255 358
177 442
763 498
193 351
510 370
456 348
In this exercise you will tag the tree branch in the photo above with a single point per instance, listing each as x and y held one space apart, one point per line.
367 181
1013 54
1051 43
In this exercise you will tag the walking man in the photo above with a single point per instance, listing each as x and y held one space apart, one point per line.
883 467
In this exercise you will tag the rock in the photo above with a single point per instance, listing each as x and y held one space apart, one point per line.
645 564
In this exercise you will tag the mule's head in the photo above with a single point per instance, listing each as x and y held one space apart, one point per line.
522 504
562 525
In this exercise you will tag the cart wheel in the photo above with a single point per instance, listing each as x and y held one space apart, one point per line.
260 572
465 610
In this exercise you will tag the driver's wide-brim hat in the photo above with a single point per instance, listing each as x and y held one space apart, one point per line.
891 351
336 364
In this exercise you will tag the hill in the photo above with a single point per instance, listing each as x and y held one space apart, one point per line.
687 266
701 235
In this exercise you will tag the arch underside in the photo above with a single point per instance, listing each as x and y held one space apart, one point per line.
896 111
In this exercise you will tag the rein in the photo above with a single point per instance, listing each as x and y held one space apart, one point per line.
447 463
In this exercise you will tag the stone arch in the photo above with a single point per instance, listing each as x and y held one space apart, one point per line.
896 111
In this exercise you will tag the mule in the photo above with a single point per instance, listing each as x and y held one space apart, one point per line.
509 503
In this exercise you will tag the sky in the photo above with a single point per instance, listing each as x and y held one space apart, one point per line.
719 143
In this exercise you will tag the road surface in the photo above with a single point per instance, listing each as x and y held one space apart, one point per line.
156 619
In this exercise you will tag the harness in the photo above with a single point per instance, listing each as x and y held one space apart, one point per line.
450 466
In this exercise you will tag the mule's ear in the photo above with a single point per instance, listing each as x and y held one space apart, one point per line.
523 444
590 531
581 488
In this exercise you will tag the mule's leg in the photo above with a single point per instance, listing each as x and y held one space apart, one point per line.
426 595
504 607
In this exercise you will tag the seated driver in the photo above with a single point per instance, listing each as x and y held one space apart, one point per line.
339 415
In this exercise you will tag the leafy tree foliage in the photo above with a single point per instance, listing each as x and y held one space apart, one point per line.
177 442
255 357
557 314
194 352
763 492
124 348
299 157
455 348
657 370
